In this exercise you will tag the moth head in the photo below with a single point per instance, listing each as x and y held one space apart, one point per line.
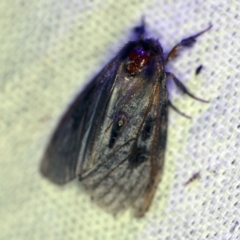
141 55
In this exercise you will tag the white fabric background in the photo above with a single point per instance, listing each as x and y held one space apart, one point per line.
50 49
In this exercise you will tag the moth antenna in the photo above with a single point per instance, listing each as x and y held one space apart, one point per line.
140 30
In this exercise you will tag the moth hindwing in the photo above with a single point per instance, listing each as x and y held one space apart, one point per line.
113 136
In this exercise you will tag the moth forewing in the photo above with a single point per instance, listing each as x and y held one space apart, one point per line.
157 149
97 136
71 138
127 173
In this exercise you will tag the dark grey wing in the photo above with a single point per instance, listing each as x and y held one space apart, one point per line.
124 164
62 153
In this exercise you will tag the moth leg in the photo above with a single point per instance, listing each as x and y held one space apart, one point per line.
177 110
187 42
183 88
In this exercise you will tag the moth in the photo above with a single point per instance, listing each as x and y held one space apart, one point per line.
113 136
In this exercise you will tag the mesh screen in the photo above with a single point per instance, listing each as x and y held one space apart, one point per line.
51 49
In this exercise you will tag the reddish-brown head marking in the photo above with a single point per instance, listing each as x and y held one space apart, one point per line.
137 60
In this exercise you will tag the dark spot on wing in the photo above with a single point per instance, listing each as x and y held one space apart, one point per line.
139 155
148 128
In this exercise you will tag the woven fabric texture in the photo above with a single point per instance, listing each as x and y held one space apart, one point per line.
51 49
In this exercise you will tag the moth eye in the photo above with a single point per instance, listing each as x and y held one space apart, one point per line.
118 124
138 156
147 129
137 60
